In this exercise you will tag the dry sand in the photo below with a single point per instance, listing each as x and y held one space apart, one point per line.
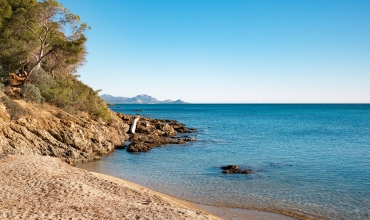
37 187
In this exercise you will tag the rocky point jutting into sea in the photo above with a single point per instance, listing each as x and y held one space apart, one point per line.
78 138
150 133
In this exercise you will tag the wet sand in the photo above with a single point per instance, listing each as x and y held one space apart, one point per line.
42 187
242 214
37 187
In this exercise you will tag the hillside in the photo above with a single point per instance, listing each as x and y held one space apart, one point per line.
139 99
47 130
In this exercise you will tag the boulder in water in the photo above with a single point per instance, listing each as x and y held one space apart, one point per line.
233 169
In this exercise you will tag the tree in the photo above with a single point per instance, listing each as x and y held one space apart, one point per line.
42 34
5 11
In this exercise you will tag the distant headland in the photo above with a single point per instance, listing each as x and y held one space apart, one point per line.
139 99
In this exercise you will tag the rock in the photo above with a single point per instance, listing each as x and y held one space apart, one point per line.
125 118
146 142
189 139
247 171
230 167
168 130
233 169
180 128
152 133
51 131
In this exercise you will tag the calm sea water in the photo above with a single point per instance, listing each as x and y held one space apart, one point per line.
312 160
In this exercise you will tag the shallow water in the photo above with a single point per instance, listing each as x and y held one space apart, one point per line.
312 160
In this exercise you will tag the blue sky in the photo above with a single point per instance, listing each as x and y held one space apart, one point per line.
230 51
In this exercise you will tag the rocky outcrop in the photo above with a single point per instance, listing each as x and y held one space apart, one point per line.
233 169
51 131
152 133
48 130
150 125
146 142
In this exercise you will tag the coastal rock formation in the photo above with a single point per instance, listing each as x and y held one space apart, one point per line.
233 169
146 142
51 131
149 125
152 133
189 139
47 130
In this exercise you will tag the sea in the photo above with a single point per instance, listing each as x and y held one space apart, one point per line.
308 160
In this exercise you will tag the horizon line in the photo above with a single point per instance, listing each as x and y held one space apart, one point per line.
251 103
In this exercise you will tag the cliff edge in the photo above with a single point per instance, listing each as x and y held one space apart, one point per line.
47 130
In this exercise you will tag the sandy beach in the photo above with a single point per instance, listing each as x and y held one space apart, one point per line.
39 187
43 187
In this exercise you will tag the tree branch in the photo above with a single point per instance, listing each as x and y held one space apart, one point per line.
34 32
34 56
37 63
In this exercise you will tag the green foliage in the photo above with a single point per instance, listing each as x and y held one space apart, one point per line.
40 33
14 109
74 96
48 41
5 11
31 93
15 44
41 79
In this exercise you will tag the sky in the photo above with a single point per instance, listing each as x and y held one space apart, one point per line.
229 51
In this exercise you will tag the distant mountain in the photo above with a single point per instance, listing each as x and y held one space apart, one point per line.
139 99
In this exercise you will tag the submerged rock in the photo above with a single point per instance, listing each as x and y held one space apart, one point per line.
233 169
230 167
189 139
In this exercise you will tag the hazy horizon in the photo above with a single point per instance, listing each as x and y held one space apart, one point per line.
227 102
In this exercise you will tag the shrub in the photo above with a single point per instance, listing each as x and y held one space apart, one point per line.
41 79
74 96
31 93
14 109
4 77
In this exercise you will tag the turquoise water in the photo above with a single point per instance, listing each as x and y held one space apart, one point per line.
312 160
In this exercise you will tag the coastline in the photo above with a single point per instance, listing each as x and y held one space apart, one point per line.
222 211
40 187
35 187
219 211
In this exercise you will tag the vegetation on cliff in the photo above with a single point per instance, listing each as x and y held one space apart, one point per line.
43 43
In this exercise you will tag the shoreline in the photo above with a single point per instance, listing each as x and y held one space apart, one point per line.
43 187
39 187
223 212
173 199
236 213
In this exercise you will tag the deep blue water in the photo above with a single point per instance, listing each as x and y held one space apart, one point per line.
308 159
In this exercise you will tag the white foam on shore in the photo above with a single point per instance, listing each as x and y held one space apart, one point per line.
242 214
